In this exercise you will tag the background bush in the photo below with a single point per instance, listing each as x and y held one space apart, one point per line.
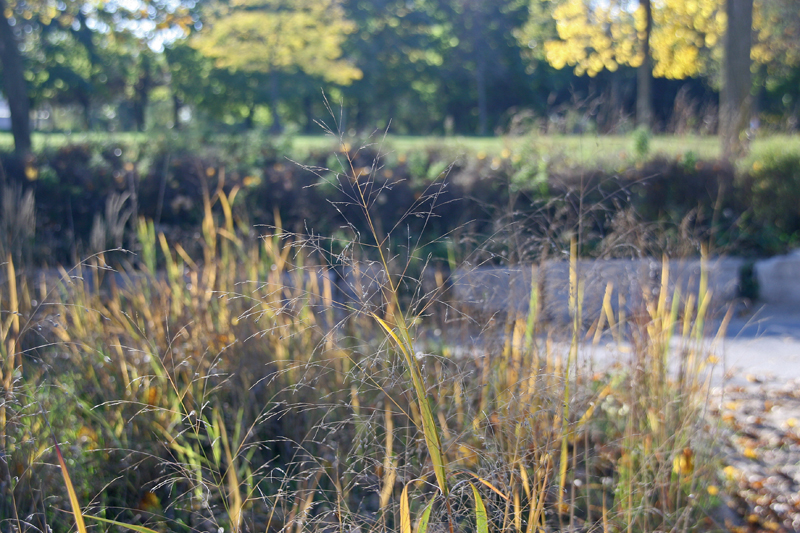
755 213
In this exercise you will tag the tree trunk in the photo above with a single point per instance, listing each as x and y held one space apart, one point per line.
86 105
644 82
734 109
250 119
142 97
614 114
308 108
483 115
177 104
274 96
15 87
140 106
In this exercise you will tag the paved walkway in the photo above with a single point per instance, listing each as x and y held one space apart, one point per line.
763 342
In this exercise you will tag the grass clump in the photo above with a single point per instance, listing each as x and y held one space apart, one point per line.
641 143
303 383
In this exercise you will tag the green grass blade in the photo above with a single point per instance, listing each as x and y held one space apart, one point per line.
431 432
140 529
429 428
481 519
426 516
533 309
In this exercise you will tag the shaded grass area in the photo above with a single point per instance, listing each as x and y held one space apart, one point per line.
589 151
285 384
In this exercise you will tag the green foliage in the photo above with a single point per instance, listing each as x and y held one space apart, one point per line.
418 162
530 171
689 160
641 143
426 66
771 185
74 183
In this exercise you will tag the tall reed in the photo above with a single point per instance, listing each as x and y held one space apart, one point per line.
295 383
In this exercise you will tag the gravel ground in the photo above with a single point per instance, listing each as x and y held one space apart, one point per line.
757 400
760 447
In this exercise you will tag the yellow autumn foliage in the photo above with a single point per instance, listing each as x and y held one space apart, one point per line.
593 36
686 38
603 35
776 25
279 35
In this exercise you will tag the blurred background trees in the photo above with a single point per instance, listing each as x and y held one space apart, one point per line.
431 66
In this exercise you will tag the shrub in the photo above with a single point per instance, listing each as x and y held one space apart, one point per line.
641 143
78 190
771 187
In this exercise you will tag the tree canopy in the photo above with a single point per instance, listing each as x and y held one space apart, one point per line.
593 36
467 66
279 35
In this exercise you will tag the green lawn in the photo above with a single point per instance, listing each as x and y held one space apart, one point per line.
579 150
46 140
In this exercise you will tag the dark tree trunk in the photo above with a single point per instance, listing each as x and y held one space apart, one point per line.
86 105
14 85
734 109
177 104
274 96
142 88
140 110
483 114
615 112
475 16
250 119
308 108
644 82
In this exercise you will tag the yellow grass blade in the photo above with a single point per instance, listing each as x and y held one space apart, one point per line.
73 497
12 295
234 491
525 483
389 331
389 477
574 309
405 512
185 256
226 202
606 315
389 465
492 487
537 502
